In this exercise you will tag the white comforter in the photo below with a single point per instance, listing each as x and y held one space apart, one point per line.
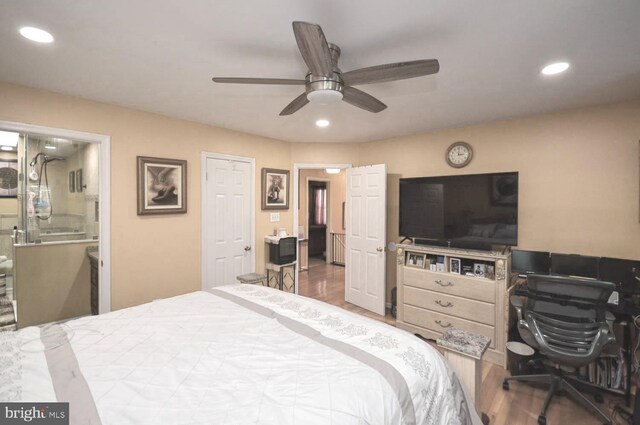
239 354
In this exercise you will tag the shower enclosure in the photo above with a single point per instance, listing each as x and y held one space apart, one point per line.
60 191
49 220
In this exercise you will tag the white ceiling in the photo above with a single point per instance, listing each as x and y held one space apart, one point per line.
160 55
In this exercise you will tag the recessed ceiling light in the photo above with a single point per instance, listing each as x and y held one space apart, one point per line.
555 68
332 170
50 147
36 34
6 148
322 123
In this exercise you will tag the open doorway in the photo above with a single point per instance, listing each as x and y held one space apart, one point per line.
321 195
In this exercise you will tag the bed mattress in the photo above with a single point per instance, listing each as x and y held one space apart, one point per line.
238 354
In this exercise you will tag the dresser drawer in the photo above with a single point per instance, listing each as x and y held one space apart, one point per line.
439 322
464 308
450 283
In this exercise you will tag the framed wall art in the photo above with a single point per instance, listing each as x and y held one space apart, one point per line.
162 186
275 189
8 178
72 181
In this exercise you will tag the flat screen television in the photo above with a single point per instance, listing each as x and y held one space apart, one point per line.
461 210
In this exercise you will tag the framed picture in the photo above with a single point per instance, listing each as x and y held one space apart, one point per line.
8 178
72 181
454 265
79 182
415 259
504 189
162 186
275 189
479 269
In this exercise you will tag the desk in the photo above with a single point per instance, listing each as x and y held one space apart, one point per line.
279 273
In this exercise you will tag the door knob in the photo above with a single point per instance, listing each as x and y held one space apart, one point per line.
380 249
247 248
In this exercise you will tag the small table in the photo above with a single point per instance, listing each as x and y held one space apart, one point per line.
280 273
464 352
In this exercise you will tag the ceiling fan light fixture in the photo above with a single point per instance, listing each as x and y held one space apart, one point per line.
324 97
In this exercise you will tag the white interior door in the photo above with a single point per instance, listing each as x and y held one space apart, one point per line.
228 249
366 211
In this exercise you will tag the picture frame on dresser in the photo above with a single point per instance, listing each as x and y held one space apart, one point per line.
415 259
454 265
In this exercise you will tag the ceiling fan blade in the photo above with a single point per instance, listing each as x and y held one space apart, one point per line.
391 72
362 100
314 48
283 81
295 105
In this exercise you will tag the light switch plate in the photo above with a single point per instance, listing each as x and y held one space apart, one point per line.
275 217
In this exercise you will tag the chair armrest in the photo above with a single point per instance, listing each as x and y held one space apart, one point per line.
516 302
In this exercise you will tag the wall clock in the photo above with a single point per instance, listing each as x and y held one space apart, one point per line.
459 154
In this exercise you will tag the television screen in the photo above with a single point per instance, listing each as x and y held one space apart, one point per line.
527 262
575 265
466 209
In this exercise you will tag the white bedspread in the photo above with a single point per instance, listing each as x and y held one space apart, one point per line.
240 354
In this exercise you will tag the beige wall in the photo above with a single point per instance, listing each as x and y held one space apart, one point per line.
578 179
151 257
578 176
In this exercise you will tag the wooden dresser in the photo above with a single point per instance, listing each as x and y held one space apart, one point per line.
435 294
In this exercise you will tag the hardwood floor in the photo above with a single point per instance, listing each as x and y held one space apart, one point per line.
520 405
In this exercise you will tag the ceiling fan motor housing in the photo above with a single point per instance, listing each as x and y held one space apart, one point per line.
324 90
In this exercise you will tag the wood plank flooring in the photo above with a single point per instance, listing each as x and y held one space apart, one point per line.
520 405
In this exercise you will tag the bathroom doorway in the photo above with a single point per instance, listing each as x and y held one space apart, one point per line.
53 223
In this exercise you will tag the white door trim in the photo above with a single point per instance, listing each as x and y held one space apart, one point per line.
203 206
296 195
104 285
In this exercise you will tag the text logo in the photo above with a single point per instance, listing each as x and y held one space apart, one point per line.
34 413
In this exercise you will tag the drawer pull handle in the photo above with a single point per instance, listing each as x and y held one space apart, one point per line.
440 303
439 282
439 322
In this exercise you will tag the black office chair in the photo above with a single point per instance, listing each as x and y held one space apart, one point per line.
565 318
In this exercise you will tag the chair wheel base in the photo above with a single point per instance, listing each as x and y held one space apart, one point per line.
505 385
542 420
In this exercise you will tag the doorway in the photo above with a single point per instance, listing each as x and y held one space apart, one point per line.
320 195
55 223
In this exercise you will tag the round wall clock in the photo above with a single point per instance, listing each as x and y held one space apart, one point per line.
459 154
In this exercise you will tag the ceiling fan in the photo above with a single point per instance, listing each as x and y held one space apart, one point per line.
325 83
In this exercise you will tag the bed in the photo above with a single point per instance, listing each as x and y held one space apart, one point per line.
237 354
